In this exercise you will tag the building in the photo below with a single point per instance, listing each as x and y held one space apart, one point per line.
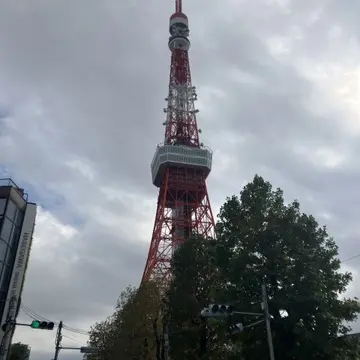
17 219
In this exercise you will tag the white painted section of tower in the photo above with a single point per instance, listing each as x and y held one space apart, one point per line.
180 156
18 273
179 19
180 105
179 42
179 30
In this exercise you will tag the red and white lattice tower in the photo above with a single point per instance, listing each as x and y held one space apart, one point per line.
180 165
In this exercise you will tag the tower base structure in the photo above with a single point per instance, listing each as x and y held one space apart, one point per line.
183 206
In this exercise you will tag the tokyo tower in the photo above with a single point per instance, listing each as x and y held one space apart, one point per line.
181 163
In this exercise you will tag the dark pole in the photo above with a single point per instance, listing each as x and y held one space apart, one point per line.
203 337
157 341
267 321
58 340
8 328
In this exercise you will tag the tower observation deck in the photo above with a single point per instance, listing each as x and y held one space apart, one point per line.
180 164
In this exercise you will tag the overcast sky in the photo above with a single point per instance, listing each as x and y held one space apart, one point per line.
82 88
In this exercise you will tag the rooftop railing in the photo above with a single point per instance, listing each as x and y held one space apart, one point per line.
9 182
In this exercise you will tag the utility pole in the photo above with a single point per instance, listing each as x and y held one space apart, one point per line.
267 321
58 340
157 340
8 328
166 340
203 337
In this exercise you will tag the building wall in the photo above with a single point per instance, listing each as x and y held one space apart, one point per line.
22 255
17 220
11 216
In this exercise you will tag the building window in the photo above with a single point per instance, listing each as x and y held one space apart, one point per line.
11 210
5 279
19 218
2 300
14 240
10 256
6 230
2 206
3 248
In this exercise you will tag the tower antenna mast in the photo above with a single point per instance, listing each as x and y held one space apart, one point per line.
178 6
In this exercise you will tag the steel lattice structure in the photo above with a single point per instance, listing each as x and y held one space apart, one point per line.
181 163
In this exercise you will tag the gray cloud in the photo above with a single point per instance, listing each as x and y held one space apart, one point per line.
85 84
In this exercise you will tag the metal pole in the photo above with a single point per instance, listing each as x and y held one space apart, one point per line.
267 321
247 313
203 337
9 329
166 341
58 340
157 340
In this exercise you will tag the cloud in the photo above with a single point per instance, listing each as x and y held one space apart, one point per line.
83 88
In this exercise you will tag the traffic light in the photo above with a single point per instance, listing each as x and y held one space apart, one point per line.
236 328
5 326
42 325
217 310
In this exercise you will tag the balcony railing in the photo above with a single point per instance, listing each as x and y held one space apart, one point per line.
9 182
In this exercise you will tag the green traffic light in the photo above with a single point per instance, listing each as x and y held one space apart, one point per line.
42 325
35 324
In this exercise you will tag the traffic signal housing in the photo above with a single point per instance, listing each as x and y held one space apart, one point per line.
6 326
88 350
217 310
236 329
42 325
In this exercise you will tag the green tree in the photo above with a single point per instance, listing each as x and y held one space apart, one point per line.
19 351
262 239
192 286
348 347
129 332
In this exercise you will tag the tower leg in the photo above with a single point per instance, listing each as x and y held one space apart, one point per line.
183 209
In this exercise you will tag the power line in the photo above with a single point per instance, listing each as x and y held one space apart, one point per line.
71 338
76 331
350 258
33 314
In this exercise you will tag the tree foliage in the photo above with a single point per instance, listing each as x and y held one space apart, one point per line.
194 277
19 351
260 239
129 332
